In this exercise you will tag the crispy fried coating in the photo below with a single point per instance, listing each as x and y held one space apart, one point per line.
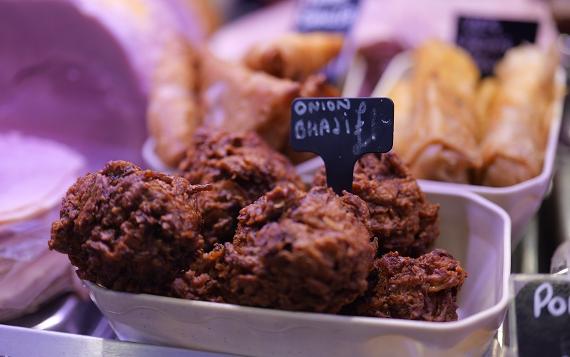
299 251
236 98
316 85
400 216
205 278
294 56
240 167
129 229
423 288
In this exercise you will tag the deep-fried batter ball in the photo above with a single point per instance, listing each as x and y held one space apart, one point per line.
240 167
129 229
205 278
423 288
400 216
299 251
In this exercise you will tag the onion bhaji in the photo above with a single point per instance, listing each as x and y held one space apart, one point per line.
204 279
240 228
423 288
292 250
240 167
129 229
400 216
300 251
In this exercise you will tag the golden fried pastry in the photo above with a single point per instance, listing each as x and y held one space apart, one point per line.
452 126
173 113
294 56
237 99
443 143
316 85
484 97
518 117
447 64
437 138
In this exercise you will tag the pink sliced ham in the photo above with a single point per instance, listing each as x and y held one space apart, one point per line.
79 71
34 176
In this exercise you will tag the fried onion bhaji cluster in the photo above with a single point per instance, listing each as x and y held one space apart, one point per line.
423 288
239 227
293 251
240 167
129 229
400 216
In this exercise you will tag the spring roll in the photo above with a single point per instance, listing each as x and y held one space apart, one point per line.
484 98
294 56
438 139
236 98
449 65
519 117
173 112
443 145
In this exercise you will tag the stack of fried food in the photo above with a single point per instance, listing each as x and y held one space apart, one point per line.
237 225
253 95
452 126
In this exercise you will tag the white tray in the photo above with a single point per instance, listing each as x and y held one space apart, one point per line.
521 201
474 230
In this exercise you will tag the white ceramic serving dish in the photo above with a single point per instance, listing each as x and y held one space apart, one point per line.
521 201
473 229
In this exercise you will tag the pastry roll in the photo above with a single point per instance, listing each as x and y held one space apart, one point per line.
448 65
401 95
519 117
484 97
436 126
442 145
294 56
173 112
236 98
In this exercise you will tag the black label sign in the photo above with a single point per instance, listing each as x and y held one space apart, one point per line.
326 15
341 130
542 318
487 39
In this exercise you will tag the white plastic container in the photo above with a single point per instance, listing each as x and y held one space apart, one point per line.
474 230
521 201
